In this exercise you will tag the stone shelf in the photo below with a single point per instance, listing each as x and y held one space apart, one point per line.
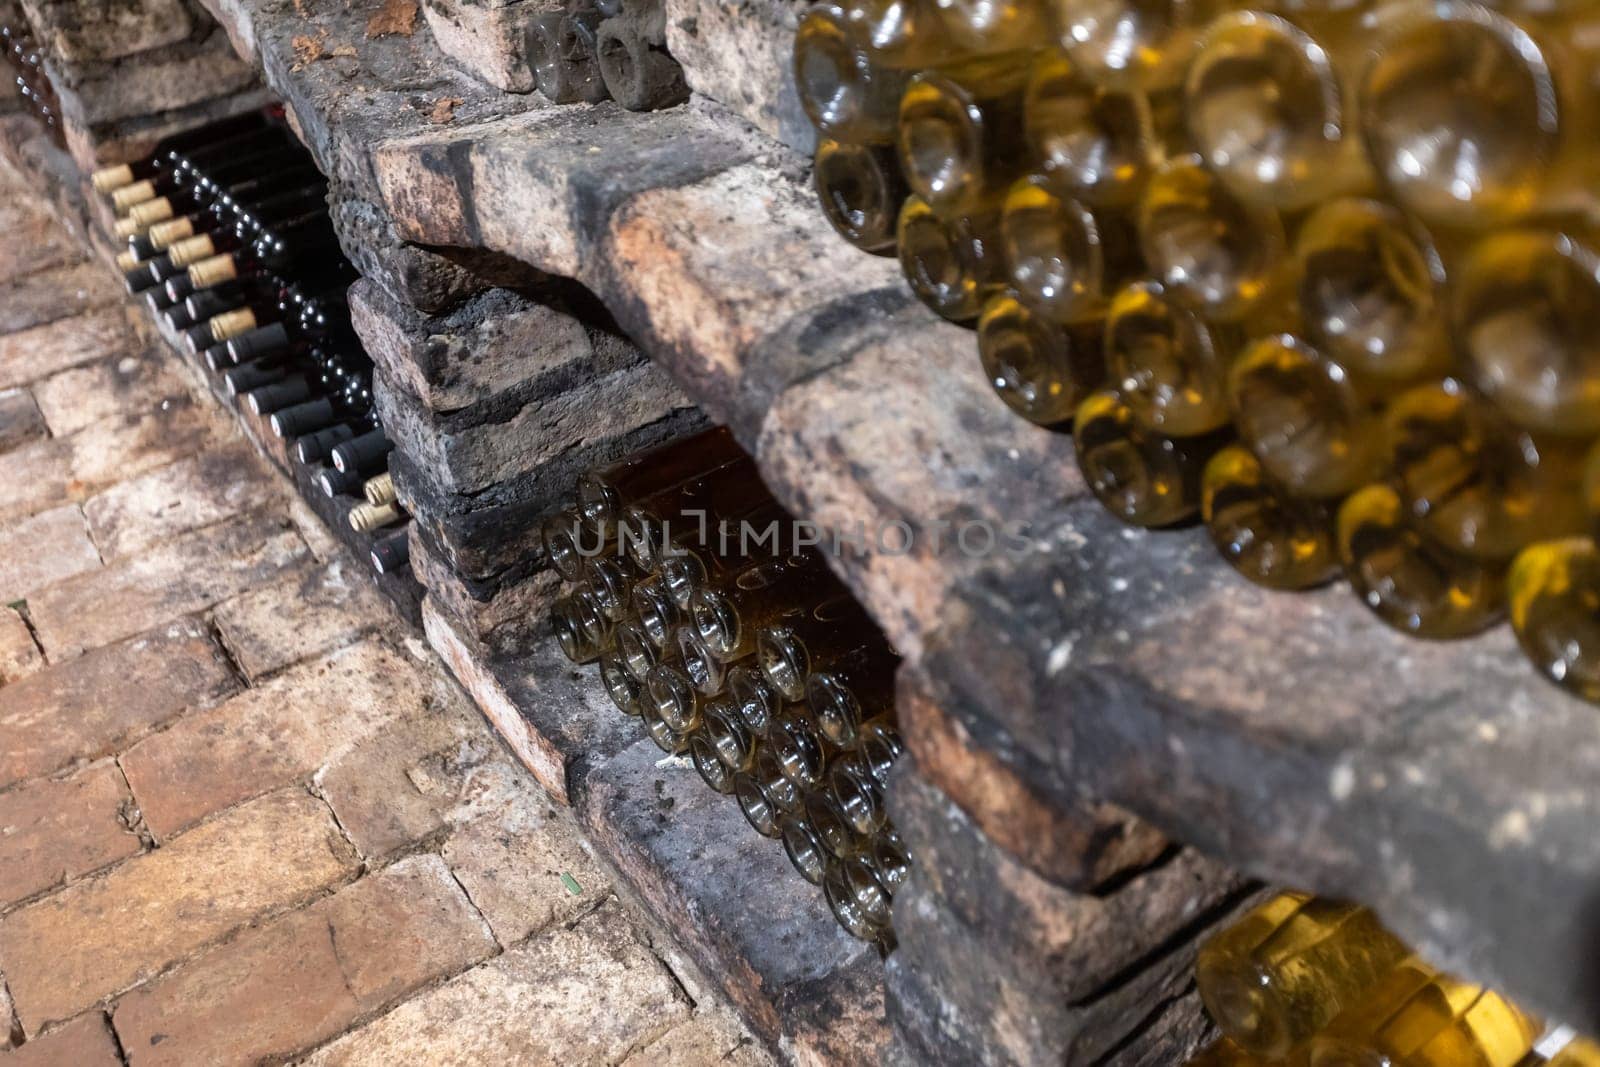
1292 736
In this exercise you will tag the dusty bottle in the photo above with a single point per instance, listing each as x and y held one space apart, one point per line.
766 796
638 71
603 494
1041 369
1524 305
1133 44
562 52
838 838
986 27
861 190
1096 144
830 632
1272 115
1473 121
728 617
754 699
1168 363
1141 477
573 629
858 899
798 748
1065 259
1474 482
1203 241
620 684
880 745
1421 1018
1313 429
804 848
1284 971
1553 591
858 794
852 61
734 742
1372 291
953 265
961 134
692 513
109 179
1268 536
657 613
692 561
1410 582
851 691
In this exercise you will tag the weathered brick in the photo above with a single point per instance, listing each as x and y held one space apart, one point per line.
185 575
274 734
53 295
102 936
10 1029
77 32
19 656
55 830
35 241
128 384
418 277
60 469
165 79
489 39
84 1042
44 548
742 56
511 863
303 615
20 420
714 1035
94 705
478 609
407 782
37 353
193 493
299 980
594 990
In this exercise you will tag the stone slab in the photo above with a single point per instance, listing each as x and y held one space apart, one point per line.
742 56
20 420
489 40
42 549
98 703
55 830
200 491
182 576
36 353
35 240
19 655
85 1042
302 615
103 936
52 295
130 384
79 33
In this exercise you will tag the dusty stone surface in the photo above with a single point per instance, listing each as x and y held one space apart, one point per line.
193 493
512 862
99 937
39 241
170 580
742 56
479 609
300 980
88 707
78 398
37 353
272 734
712 1036
79 32
415 276
489 40
52 295
19 655
84 1042
43 549
598 993
20 419
299 616
58 829
168 79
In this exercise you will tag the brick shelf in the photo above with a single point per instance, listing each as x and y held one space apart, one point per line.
1290 736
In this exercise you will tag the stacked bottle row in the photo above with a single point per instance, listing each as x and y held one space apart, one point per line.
715 621
20 54
230 243
1317 983
595 50
1324 275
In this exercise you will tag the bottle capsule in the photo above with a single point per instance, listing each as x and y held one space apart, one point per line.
1041 369
1284 971
1525 303
1553 591
1475 483
1304 418
1407 580
1266 535
1141 477
1222 254
1372 291
861 191
1421 1018
1270 114
1168 363
954 266
1096 144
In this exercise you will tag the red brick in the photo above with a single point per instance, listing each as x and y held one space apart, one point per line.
302 615
177 578
301 979
105 935
91 706
84 1042
19 656
37 353
44 548
278 733
54 830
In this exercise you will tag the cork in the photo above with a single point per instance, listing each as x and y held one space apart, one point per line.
364 518
232 324
129 195
213 271
126 261
164 234
380 490
110 179
193 250
127 228
151 212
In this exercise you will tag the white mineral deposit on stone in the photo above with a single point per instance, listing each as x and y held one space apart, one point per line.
1060 656
1341 781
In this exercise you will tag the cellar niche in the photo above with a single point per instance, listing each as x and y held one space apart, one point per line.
1110 736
